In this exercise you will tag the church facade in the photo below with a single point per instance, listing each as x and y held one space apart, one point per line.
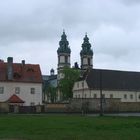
64 60
64 55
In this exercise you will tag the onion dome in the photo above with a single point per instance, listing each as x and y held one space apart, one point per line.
86 47
63 45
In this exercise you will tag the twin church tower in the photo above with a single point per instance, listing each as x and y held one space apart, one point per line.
64 53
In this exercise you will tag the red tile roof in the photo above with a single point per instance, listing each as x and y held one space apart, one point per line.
15 99
22 73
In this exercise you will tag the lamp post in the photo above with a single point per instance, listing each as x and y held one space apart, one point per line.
101 95
82 97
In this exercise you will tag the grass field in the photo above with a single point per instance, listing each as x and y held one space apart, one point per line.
67 127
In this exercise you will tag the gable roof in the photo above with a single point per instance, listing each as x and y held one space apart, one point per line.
113 80
15 99
21 73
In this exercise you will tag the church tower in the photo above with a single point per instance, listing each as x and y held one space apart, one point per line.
86 54
63 55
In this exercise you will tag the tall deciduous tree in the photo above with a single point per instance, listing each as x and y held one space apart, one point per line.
51 93
52 90
66 84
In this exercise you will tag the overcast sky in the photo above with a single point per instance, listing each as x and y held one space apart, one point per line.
32 29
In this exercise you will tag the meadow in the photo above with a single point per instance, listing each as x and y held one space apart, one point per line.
68 127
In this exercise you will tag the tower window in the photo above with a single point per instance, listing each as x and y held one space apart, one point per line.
66 59
85 61
88 61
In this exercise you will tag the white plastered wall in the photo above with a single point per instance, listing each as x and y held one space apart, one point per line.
25 95
84 92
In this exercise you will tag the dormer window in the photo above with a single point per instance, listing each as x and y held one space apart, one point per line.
17 75
30 70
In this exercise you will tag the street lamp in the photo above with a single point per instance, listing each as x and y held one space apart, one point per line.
82 106
101 95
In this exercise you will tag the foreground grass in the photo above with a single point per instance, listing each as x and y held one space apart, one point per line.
46 127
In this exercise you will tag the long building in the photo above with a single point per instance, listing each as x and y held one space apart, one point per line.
123 85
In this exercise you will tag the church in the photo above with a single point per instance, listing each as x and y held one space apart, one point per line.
97 83
64 60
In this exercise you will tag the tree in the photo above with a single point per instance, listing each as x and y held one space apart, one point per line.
66 84
51 93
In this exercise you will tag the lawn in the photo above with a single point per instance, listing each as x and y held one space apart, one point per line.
68 127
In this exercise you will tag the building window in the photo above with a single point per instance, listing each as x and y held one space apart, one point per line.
125 96
111 95
85 95
79 96
17 90
32 90
83 84
78 85
103 95
95 96
131 96
1 90
75 96
32 103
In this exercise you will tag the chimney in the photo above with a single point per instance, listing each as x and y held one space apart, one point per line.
1 61
10 68
23 63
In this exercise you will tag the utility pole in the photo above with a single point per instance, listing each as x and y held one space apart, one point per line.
101 95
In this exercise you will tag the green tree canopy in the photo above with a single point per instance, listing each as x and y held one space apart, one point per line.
51 93
66 84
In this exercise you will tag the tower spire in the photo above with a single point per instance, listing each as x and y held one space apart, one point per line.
63 30
63 52
86 54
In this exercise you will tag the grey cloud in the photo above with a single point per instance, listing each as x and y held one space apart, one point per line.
130 2
113 28
39 23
